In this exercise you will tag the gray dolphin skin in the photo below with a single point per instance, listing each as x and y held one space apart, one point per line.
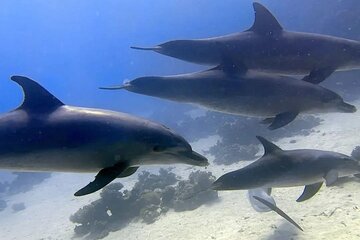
267 47
279 99
43 134
281 168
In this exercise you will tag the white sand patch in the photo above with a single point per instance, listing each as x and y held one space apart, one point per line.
333 213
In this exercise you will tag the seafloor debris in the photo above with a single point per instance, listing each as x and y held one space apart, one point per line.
152 196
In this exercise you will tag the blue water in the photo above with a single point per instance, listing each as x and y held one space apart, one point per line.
73 47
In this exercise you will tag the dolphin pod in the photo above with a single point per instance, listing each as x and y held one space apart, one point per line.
246 78
267 47
278 99
44 134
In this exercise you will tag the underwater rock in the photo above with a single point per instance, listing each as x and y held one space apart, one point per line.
149 181
150 213
17 207
3 205
168 196
191 194
88 217
149 198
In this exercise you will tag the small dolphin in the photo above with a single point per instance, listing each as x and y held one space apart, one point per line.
279 99
267 47
281 168
44 134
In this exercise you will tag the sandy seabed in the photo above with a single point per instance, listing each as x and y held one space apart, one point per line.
333 213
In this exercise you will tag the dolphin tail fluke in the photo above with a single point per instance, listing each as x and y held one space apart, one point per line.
278 211
103 178
146 48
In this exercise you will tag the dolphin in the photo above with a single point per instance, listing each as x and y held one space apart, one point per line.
289 168
44 134
267 47
278 99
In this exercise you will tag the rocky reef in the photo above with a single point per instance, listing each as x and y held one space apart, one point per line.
238 140
151 196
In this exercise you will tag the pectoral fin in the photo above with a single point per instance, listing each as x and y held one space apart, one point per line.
267 120
283 119
318 75
331 177
103 178
309 191
128 172
278 211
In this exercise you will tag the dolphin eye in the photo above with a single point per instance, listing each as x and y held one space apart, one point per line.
159 148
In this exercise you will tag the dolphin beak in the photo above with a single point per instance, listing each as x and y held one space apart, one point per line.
156 48
117 87
196 158
347 108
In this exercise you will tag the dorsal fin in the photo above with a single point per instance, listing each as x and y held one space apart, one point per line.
265 23
36 98
269 147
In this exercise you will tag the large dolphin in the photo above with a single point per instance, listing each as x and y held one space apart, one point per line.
289 168
279 99
43 134
266 46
